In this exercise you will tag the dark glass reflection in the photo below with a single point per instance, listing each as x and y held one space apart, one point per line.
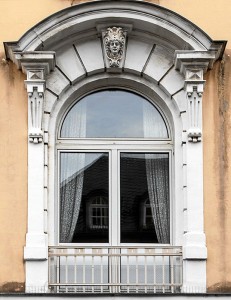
84 198
144 184
114 114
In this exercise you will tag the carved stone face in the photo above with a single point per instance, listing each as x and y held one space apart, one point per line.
114 46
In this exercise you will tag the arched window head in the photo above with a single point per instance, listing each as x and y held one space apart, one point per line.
114 114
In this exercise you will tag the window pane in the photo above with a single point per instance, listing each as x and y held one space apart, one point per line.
144 198
114 114
84 198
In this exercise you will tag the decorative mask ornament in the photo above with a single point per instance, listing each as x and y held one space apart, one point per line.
114 43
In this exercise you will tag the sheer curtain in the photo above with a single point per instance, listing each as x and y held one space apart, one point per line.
72 176
157 172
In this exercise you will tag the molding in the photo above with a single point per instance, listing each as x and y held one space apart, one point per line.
41 60
195 253
185 59
194 246
35 253
157 21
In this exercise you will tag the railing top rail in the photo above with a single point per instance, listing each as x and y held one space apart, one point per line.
117 284
114 247
114 255
114 251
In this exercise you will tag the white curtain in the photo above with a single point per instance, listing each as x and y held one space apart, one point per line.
72 176
157 172
158 190
153 123
74 125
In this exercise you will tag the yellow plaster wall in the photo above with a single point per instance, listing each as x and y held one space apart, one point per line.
16 17
217 174
13 176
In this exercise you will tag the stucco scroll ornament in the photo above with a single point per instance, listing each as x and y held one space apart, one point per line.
114 43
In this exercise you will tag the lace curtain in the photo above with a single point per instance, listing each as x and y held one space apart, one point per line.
157 172
72 176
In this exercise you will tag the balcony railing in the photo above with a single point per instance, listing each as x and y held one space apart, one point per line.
115 269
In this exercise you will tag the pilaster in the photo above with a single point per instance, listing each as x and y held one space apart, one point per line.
193 64
36 66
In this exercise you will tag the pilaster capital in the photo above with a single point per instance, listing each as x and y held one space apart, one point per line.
192 59
192 65
36 65
36 60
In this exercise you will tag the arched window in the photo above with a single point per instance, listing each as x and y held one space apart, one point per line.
119 145
114 114
162 56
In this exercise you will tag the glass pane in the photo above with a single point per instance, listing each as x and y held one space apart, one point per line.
144 198
84 197
114 114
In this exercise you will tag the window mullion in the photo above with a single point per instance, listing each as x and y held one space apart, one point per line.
114 211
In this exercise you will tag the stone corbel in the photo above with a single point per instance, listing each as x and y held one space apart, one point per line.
36 65
193 64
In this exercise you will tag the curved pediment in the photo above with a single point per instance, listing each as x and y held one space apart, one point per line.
146 21
71 43
159 46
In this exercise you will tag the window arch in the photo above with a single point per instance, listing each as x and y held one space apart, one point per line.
114 113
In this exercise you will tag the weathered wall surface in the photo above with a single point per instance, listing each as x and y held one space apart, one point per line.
13 176
16 17
217 174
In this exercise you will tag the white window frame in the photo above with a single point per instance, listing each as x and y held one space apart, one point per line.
115 146
114 151
125 145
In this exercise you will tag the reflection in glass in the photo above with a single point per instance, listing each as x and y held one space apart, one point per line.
83 197
113 114
144 197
